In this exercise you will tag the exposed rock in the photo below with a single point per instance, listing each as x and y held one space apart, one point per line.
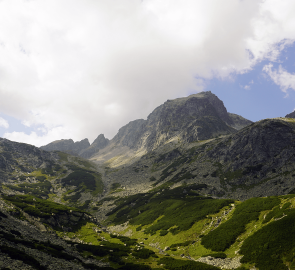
239 122
194 118
227 263
68 146
40 249
290 115
99 143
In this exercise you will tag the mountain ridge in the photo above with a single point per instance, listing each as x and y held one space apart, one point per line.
196 117
212 199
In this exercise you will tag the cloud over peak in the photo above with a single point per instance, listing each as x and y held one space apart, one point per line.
80 68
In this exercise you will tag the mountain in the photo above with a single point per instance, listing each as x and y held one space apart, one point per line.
191 187
290 115
81 148
194 118
200 116
68 146
99 143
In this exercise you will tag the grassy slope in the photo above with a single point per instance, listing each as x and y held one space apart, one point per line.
233 228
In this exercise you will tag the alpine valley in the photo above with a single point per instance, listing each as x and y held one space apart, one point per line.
190 187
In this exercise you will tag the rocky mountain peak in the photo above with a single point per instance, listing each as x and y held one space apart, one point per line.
67 145
290 115
99 143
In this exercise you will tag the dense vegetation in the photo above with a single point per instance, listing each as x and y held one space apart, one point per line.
226 234
84 180
38 207
41 189
273 246
180 207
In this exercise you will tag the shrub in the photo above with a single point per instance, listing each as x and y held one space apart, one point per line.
180 207
226 234
143 253
273 246
163 232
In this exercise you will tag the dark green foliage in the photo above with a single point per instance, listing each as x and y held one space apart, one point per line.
114 186
185 244
118 250
173 264
41 189
181 206
38 207
277 212
143 253
272 245
41 178
116 259
217 255
47 170
163 232
73 198
131 266
226 234
153 179
84 180
79 178
22 256
95 250
126 240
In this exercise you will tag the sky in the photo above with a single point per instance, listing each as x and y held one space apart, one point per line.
79 68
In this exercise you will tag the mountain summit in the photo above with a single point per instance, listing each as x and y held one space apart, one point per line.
197 117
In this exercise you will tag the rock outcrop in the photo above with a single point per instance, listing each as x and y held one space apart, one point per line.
99 143
290 115
197 117
68 146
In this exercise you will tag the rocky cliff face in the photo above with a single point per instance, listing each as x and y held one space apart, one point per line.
194 118
81 148
239 122
68 146
21 157
197 117
290 115
99 143
255 161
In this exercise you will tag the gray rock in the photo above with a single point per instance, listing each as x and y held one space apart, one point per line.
68 146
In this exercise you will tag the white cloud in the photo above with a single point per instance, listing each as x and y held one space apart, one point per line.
281 77
89 67
3 123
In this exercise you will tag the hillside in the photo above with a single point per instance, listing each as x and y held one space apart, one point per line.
200 116
191 187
